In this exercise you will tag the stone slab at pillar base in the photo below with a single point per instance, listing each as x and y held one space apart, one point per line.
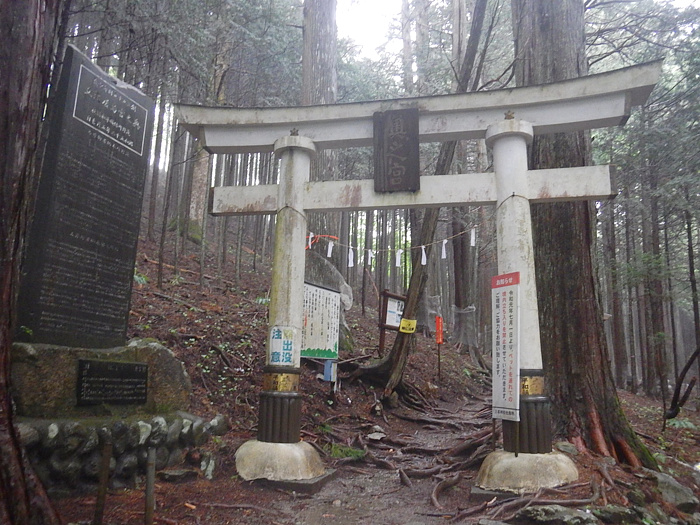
505 471
278 461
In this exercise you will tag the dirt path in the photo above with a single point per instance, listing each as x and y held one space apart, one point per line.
377 493
442 444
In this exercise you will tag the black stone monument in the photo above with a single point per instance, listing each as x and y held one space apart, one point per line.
77 275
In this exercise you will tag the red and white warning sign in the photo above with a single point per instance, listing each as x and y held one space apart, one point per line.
506 346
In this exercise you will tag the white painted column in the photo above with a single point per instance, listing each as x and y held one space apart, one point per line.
287 290
278 454
509 139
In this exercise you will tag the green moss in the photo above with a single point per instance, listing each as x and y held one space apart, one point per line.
335 450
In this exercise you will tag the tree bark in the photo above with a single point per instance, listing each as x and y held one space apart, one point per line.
391 367
549 47
155 172
29 39
617 321
691 272
320 86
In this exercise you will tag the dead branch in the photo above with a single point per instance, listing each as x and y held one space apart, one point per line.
226 358
442 486
179 301
243 506
405 480
352 359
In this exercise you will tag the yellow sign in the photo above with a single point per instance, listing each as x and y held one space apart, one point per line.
408 326
281 382
532 385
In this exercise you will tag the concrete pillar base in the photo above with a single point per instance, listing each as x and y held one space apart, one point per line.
525 473
278 461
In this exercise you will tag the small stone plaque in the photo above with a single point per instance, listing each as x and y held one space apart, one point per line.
396 153
111 382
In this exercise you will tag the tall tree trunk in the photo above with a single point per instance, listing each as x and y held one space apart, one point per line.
691 274
320 86
657 333
549 46
617 319
28 40
155 173
631 295
407 49
671 304
366 265
391 367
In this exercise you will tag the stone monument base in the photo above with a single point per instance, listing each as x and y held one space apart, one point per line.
45 380
278 461
66 454
525 472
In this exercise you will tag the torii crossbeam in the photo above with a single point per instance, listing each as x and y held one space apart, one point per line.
579 104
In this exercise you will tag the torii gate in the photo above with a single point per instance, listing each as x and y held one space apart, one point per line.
296 133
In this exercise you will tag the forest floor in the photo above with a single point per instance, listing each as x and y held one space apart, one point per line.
404 465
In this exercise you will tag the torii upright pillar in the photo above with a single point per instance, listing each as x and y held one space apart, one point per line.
527 461
508 140
278 454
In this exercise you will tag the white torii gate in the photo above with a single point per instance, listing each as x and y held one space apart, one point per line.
295 134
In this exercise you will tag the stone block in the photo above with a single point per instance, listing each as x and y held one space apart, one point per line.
45 379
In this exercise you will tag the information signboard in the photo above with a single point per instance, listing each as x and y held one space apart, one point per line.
394 312
506 346
321 322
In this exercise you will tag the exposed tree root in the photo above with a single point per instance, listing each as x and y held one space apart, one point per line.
424 473
506 509
628 454
475 440
442 486
429 420
379 462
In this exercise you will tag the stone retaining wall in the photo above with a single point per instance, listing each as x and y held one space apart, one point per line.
66 454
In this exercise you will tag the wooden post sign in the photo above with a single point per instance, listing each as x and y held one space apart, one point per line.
390 315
